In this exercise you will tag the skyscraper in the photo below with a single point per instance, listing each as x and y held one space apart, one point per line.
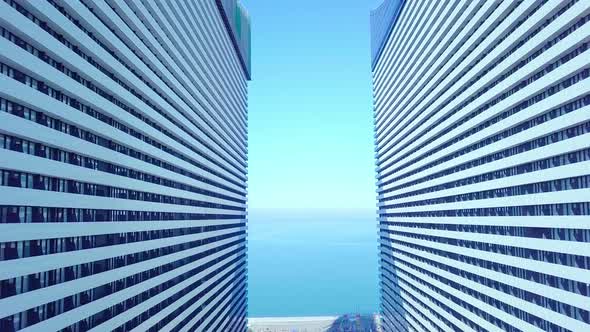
482 145
123 136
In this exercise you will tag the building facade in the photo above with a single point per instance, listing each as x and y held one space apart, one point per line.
482 146
123 161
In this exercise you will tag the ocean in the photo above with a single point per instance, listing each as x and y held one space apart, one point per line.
312 262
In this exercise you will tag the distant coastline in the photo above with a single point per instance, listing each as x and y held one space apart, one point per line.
368 323
270 320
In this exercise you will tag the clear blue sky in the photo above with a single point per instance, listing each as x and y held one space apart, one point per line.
310 105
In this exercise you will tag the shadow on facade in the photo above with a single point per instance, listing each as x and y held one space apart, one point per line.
393 315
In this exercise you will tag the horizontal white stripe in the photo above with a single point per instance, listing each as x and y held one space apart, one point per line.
36 132
558 74
421 25
562 271
52 230
173 323
210 312
25 301
186 53
448 59
557 197
415 310
39 101
448 71
407 86
67 318
63 25
32 197
539 311
580 222
444 300
154 319
24 266
566 247
28 163
563 96
578 300
554 173
549 55
512 320
439 37
430 305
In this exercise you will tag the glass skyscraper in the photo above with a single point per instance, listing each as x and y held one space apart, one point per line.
482 146
123 165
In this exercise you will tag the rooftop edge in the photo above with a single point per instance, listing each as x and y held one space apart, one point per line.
237 23
382 21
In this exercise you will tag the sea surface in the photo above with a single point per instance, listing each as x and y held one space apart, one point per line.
312 262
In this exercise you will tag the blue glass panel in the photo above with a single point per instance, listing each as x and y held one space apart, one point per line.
382 22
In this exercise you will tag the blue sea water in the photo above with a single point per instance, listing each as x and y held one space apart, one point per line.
312 262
